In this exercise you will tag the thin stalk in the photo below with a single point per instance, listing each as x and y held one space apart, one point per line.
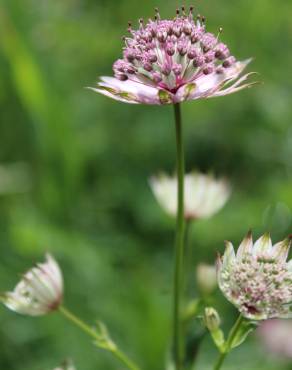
92 333
229 342
188 258
179 245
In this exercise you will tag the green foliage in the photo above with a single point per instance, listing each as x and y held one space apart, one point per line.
89 159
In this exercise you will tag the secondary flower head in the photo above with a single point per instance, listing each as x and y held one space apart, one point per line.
170 61
204 195
257 279
40 290
276 337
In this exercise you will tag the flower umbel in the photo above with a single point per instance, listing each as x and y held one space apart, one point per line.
257 280
170 61
39 292
204 195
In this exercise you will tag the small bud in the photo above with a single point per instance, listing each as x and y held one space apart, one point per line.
211 319
228 62
208 70
198 61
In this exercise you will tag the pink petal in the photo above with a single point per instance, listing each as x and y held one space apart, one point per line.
128 91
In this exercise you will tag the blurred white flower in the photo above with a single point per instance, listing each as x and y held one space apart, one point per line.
40 290
204 195
276 336
67 365
206 278
257 280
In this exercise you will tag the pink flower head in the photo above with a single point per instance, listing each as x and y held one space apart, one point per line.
170 61
276 337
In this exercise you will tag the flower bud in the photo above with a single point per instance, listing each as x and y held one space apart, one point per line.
211 319
206 278
39 292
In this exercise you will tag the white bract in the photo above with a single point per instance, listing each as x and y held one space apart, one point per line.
204 195
257 279
40 290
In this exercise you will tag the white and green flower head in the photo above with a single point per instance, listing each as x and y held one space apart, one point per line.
257 279
204 195
40 290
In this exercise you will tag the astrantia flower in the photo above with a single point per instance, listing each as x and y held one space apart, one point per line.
276 337
170 61
204 195
39 292
257 280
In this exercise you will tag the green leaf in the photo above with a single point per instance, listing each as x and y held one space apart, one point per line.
218 339
246 328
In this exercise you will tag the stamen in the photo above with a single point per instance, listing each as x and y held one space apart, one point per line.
157 16
220 30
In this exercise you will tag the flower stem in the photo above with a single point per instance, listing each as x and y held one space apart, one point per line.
229 342
179 244
91 332
188 258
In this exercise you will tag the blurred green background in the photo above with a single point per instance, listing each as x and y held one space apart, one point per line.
74 169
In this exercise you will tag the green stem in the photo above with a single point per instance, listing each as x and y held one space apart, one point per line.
188 258
91 332
229 342
179 244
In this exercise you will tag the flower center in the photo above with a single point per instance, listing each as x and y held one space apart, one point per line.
171 53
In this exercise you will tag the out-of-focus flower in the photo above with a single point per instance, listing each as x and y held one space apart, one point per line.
206 278
257 280
170 61
40 290
67 365
204 195
276 337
